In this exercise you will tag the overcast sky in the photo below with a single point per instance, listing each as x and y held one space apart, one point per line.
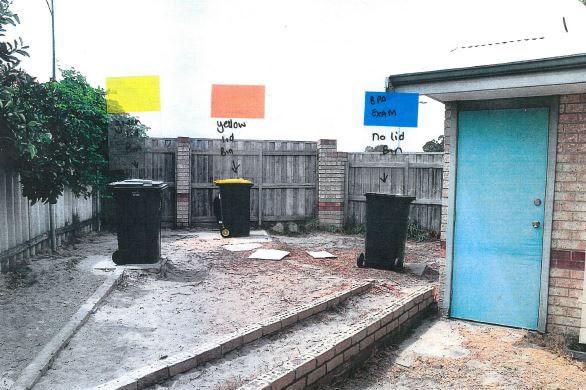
315 57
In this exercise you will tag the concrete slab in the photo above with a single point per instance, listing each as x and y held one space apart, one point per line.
206 235
106 264
268 254
256 236
321 255
242 247
415 268
432 339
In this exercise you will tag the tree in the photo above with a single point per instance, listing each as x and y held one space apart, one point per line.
434 146
377 148
74 151
13 117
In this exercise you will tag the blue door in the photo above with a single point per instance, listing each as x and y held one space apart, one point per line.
500 192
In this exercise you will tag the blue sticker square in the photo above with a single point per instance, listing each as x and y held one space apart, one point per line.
397 109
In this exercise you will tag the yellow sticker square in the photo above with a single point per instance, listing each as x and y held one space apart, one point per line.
133 94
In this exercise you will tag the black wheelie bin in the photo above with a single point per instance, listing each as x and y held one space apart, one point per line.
387 217
138 214
232 207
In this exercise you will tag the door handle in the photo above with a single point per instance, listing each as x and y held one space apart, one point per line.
536 224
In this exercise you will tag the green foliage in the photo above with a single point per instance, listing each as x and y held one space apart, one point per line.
13 116
128 126
417 233
10 51
71 149
434 146
377 148
355 229
312 225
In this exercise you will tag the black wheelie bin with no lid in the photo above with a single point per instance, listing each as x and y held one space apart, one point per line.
232 207
138 215
387 217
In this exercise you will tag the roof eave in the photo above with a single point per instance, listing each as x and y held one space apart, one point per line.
511 68
550 76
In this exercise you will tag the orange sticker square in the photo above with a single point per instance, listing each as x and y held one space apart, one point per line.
238 101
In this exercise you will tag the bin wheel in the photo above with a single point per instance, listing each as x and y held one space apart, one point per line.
116 258
360 260
225 232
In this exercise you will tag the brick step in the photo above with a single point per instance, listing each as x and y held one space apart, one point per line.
312 351
201 354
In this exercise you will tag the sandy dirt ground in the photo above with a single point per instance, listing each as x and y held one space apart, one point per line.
348 247
449 354
40 298
207 292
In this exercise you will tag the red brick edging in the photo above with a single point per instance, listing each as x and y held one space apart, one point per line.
567 259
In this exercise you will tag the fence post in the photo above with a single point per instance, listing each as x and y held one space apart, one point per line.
346 190
331 184
406 176
52 234
260 156
183 181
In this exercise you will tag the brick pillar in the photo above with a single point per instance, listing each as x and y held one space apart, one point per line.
568 244
331 188
182 181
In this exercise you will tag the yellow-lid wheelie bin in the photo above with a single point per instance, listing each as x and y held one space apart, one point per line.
232 207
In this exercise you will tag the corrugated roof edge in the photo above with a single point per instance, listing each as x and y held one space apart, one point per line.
575 61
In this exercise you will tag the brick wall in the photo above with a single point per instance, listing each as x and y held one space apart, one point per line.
331 189
182 181
569 219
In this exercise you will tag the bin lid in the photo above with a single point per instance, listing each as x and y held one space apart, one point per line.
138 183
404 198
232 181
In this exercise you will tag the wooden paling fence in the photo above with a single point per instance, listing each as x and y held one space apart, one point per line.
414 174
284 174
24 228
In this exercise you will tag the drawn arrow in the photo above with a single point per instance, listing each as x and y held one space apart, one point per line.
235 167
384 178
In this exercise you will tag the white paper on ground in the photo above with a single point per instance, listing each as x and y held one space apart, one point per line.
268 254
322 255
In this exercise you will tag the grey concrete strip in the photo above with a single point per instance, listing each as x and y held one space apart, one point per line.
42 362
187 360
106 264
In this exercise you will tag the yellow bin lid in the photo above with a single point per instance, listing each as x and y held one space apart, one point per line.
232 181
